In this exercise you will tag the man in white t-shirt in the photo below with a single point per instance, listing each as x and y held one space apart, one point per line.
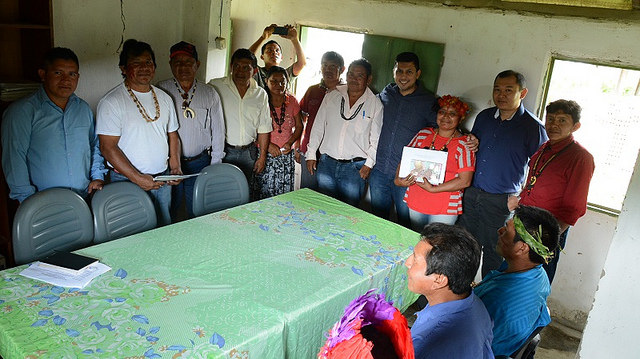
137 126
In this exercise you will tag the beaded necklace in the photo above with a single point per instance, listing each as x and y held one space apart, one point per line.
187 111
537 172
274 114
141 108
444 147
354 114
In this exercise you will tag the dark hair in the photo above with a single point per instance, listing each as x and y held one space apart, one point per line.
408 57
244 54
333 56
132 48
533 218
277 70
58 53
569 107
509 73
264 47
364 63
455 254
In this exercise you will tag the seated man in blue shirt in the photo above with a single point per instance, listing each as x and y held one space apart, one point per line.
455 323
49 138
516 294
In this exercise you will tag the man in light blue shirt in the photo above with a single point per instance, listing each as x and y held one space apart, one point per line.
455 323
48 138
516 294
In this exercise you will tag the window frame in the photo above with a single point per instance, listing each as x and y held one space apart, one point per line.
541 109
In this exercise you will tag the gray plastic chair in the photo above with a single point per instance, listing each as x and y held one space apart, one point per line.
219 186
121 209
53 219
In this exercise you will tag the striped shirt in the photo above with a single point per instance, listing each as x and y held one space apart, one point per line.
459 159
204 130
517 303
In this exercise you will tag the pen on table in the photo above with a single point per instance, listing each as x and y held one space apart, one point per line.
363 112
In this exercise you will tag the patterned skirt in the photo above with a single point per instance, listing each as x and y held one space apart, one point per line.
277 177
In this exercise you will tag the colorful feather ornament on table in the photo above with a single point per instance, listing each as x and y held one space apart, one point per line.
370 328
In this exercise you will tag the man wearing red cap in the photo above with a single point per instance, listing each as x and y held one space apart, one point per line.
199 113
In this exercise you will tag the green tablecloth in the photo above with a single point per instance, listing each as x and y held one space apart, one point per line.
263 280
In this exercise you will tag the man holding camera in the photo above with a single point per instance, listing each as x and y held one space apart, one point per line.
271 52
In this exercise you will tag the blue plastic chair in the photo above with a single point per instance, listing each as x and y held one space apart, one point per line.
121 209
53 219
219 186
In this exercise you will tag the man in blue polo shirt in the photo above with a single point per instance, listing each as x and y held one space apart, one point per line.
516 294
49 138
509 135
408 108
455 323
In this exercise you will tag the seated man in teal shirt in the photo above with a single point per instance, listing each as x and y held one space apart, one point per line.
48 138
455 323
516 294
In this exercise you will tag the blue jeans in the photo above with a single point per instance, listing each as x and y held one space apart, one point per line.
419 220
185 188
340 180
384 193
245 159
160 197
553 263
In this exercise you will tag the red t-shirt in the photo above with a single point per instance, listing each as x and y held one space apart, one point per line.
459 159
563 185
310 104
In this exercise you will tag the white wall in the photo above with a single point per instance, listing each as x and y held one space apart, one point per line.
478 44
93 29
613 325
580 268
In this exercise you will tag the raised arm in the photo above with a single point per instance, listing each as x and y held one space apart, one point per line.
301 61
266 33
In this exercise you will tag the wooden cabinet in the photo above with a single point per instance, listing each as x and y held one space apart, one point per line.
25 35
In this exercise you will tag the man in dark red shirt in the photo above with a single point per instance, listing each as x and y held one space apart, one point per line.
332 66
560 172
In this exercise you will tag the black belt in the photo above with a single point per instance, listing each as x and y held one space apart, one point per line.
226 145
206 152
356 159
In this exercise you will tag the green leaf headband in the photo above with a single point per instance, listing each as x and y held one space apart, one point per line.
535 243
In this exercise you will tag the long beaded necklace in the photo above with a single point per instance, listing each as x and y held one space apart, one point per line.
141 108
537 172
274 114
187 111
444 147
354 114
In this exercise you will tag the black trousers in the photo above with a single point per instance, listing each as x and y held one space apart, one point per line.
483 214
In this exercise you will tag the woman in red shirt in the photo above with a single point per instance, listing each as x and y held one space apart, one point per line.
430 203
278 175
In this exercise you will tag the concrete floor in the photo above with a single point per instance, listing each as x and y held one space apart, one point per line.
558 342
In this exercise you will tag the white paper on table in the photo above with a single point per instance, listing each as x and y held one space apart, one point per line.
423 162
64 278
